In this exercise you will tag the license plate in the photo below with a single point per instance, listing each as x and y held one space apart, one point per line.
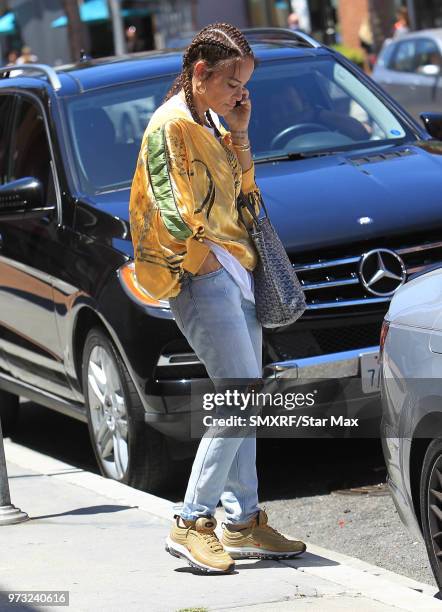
370 372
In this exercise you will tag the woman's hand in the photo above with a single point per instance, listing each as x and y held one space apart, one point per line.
238 118
210 264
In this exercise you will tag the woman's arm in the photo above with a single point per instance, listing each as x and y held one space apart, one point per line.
238 121
241 143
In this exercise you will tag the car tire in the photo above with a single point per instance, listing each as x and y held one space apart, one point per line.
126 449
9 412
431 506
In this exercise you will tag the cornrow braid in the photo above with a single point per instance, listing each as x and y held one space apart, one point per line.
188 94
216 44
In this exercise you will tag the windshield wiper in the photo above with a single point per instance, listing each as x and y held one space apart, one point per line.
326 153
295 156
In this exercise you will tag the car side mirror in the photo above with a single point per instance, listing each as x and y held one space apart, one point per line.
431 70
22 198
433 124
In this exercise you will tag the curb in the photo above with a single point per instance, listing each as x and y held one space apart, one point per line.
367 580
47 466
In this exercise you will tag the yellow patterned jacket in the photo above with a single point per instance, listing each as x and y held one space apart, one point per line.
184 189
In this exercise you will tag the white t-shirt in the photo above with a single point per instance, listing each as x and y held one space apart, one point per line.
240 275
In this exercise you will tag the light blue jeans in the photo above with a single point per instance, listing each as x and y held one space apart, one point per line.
222 328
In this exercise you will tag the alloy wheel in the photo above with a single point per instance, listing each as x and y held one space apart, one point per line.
108 413
435 509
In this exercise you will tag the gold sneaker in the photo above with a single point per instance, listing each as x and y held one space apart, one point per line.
198 543
258 539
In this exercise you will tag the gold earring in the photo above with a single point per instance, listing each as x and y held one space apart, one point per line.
199 88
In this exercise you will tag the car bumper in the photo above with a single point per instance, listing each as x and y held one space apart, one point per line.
394 448
332 366
406 513
324 371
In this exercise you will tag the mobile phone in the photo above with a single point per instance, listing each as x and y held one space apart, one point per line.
237 103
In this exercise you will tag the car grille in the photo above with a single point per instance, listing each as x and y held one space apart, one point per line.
338 317
333 281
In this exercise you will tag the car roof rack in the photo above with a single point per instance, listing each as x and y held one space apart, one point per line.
280 34
41 68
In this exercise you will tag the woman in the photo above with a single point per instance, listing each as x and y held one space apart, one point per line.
191 248
402 25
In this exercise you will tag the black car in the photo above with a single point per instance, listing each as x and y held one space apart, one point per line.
348 183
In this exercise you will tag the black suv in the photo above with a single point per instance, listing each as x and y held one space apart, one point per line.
350 181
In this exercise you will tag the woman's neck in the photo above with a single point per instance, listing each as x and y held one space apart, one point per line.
200 107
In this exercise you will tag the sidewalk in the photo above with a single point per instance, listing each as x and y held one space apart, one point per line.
104 543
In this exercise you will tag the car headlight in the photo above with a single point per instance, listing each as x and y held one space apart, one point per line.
128 279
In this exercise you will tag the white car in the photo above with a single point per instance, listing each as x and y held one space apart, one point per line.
411 390
410 70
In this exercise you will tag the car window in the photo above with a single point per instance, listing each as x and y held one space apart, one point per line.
298 105
386 55
404 59
313 105
5 110
427 53
30 153
343 104
108 126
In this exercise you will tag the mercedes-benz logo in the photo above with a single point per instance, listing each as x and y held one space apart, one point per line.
382 272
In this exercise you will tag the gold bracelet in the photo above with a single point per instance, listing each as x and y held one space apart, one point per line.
242 147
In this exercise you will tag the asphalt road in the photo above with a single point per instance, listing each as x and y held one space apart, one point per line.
330 492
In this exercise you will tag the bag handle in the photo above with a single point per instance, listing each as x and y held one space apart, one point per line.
244 202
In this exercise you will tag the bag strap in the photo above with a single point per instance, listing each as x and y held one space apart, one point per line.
244 202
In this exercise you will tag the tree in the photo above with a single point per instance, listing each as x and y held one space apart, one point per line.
382 19
77 35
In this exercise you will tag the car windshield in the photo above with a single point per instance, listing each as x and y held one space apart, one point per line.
301 106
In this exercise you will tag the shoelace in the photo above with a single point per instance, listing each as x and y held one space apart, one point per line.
211 540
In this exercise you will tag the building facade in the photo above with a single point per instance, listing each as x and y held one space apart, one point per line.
382 15
32 23
228 11
318 17
39 25
425 13
158 22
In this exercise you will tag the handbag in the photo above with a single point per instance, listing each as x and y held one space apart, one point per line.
279 297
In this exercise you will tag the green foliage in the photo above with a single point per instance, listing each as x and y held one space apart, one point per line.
354 55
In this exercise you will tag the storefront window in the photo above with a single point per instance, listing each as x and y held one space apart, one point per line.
323 19
428 13
322 16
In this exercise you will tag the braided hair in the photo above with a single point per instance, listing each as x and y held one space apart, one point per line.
218 44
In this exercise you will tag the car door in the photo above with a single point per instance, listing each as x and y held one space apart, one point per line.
6 108
429 83
404 83
29 258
